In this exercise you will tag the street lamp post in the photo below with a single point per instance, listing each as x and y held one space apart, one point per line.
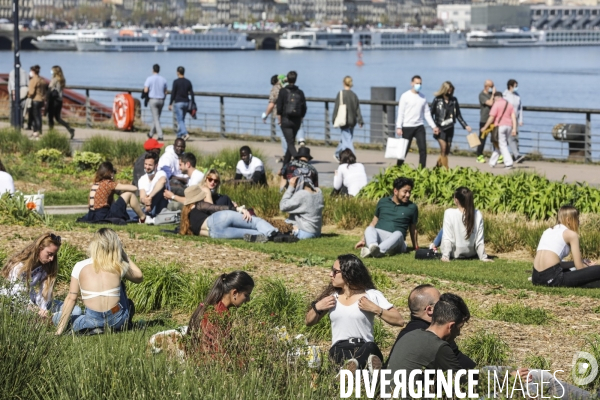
17 114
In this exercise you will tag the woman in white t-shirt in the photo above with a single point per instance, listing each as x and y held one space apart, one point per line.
462 234
6 181
353 302
350 177
104 308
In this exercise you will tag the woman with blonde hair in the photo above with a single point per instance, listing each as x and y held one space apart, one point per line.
445 111
107 266
211 185
32 273
55 99
353 116
556 243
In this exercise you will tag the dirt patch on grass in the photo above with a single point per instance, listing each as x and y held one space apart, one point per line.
572 317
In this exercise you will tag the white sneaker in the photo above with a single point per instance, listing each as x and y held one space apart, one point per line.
149 221
364 252
494 159
374 250
374 363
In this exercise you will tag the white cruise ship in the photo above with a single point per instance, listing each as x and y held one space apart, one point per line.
382 39
518 38
120 41
208 38
62 39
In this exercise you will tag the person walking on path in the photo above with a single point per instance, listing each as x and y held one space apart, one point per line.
486 101
514 99
445 111
349 99
412 109
291 109
37 94
156 87
24 87
55 99
503 117
182 88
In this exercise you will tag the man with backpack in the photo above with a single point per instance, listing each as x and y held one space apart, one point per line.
291 109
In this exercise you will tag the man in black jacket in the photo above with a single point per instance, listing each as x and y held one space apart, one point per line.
182 88
421 301
291 109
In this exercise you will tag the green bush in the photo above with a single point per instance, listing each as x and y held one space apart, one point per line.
485 348
55 140
12 141
125 152
51 156
520 314
99 145
88 160
161 288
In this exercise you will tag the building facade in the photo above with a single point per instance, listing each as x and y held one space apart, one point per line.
455 16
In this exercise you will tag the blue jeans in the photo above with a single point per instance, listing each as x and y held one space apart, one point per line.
231 225
345 141
438 239
299 138
93 319
180 111
305 235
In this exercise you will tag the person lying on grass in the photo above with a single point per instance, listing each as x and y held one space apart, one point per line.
427 341
353 302
211 186
462 234
208 326
32 273
107 266
394 216
556 243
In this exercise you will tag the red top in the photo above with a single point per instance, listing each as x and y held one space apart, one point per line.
214 328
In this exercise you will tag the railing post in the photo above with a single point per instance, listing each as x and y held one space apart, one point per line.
273 127
222 112
384 127
588 138
88 111
327 125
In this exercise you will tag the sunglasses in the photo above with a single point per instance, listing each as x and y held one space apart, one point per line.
211 180
335 271
55 238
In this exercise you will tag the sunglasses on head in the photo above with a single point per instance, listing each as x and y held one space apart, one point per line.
55 238
211 180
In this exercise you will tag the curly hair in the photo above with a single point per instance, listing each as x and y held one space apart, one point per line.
354 274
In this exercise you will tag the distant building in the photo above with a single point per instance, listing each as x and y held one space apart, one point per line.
564 17
495 17
25 9
455 16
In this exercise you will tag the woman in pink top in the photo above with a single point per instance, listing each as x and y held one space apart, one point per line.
502 115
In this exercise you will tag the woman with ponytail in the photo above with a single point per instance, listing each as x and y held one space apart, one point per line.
206 330
462 234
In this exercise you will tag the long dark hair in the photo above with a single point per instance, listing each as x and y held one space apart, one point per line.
465 198
354 273
239 280
347 157
105 171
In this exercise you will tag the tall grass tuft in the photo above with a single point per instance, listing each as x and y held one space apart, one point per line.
196 291
126 151
55 140
280 304
534 361
348 212
485 348
520 314
161 288
12 141
98 144
264 201
68 256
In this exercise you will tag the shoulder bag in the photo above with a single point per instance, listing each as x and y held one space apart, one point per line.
340 118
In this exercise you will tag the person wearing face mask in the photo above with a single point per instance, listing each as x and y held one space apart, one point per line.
55 99
412 109
37 94
512 96
486 101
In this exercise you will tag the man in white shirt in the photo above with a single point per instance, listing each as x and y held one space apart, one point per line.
169 162
156 89
187 164
412 109
511 95
152 186
250 169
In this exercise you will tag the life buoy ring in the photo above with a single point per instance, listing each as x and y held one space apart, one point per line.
124 111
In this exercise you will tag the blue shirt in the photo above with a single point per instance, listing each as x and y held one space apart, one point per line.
157 86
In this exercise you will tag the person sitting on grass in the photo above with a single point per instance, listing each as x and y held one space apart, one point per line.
353 302
394 215
202 218
151 146
7 183
350 177
32 273
211 186
302 163
207 328
250 169
556 243
304 203
462 234
102 206
152 188
104 308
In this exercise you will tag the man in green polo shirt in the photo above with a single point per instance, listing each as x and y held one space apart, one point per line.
394 216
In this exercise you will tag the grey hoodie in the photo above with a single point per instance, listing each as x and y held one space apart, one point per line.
305 208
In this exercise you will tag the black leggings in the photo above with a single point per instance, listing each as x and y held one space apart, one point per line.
560 275
54 109
417 132
289 134
36 113
344 350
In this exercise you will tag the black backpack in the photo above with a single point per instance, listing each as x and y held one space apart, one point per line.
294 104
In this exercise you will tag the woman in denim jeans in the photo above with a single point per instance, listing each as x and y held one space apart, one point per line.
106 267
556 243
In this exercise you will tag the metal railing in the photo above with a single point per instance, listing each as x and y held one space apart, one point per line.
241 114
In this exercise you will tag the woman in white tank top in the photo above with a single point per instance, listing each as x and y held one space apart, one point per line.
556 243
353 302
99 280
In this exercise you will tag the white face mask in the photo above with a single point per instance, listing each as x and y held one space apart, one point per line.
31 74
51 72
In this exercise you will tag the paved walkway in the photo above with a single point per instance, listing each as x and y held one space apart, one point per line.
372 159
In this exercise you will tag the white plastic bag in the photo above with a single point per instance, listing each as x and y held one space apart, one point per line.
396 148
341 117
35 202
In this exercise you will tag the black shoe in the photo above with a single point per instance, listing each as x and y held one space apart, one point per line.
72 132
285 238
256 238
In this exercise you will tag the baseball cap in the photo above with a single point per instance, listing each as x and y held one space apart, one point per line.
152 144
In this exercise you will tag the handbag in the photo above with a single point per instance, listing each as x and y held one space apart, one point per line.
473 140
167 217
340 118
427 254
396 148
192 109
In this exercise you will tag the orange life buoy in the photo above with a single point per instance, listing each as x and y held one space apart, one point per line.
124 111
